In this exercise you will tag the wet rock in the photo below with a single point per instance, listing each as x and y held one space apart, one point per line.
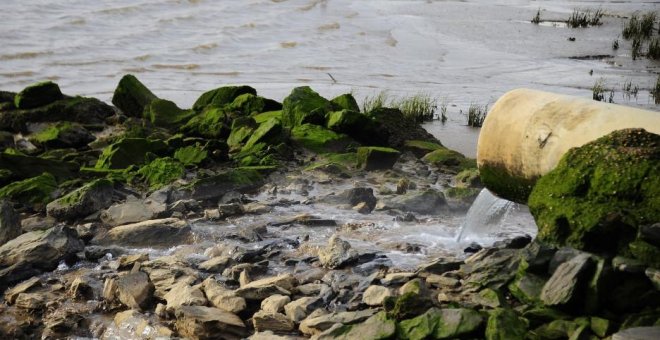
136 210
31 301
62 135
269 335
133 324
397 278
221 96
564 285
439 266
129 151
517 242
85 288
168 271
275 303
154 233
198 322
654 275
298 309
319 139
83 201
420 148
504 324
36 251
449 323
10 226
32 192
229 180
317 324
217 264
23 287
134 290
376 295
261 289
269 321
223 298
182 294
229 209
377 326
376 158
304 105
429 201
337 253
395 130
637 333
38 94
132 97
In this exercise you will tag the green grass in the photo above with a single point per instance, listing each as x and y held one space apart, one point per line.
371 103
598 91
585 18
476 115
418 107
443 111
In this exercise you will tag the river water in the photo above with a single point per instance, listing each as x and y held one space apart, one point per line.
460 52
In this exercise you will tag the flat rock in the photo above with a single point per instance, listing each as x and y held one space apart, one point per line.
269 321
159 233
133 210
223 298
298 310
425 202
199 322
261 289
182 294
275 303
135 290
313 325
566 281
375 295
337 253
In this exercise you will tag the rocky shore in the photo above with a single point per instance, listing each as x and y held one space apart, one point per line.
105 214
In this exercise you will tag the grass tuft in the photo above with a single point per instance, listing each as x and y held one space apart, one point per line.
630 90
585 18
655 92
476 115
419 107
537 18
598 91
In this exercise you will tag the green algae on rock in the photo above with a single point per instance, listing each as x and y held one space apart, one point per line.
211 123
35 190
248 104
191 155
38 94
420 148
346 101
89 198
129 151
447 159
319 139
132 97
221 96
504 324
437 323
161 172
165 113
304 105
22 166
376 158
599 194
63 135
215 186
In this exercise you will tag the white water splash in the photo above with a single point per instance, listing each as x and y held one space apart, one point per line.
486 213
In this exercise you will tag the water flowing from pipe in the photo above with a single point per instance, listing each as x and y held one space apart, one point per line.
486 212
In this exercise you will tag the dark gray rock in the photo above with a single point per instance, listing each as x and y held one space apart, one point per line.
651 233
565 284
83 201
10 225
429 201
638 333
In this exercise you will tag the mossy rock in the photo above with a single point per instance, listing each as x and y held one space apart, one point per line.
557 329
221 96
7 97
462 194
377 327
115 175
86 200
35 190
239 136
249 104
23 166
346 101
161 172
262 117
468 178
38 94
450 323
132 97
129 151
447 159
237 179
211 123
504 324
319 139
420 147
246 121
355 125
167 114
191 155
304 106
376 158
269 132
393 129
600 193
406 305
63 135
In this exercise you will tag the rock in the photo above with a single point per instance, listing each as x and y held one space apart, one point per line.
90 198
371 158
133 324
23 287
268 321
394 129
337 253
167 271
356 125
37 251
63 135
129 151
429 201
638 333
182 294
10 225
650 234
261 289
191 155
132 97
198 322
211 123
298 309
504 324
85 288
450 323
304 105
317 324
445 159
133 210
311 289
268 132
165 113
376 327
22 167
229 180
249 104
221 96
223 298
356 196
420 148
32 191
653 275
600 193
397 278
217 264
566 282
275 303
468 178
161 172
376 295
268 335
160 233
319 139
31 301
439 266
134 290
38 94
346 101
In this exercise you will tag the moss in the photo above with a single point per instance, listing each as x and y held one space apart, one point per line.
319 139
304 105
421 147
23 166
498 180
132 97
251 104
239 135
557 329
504 324
376 158
341 161
231 179
406 305
211 123
221 96
38 94
600 193
269 132
62 135
191 155
468 178
35 190
459 193
161 172
75 196
167 114
444 158
262 117
129 151
346 101
115 175
645 252
599 326
420 327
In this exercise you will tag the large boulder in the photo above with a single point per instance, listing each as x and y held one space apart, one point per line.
132 97
346 101
129 151
31 191
10 224
38 94
394 129
165 113
319 139
88 199
600 194
37 251
199 322
160 233
304 105
376 158
221 96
